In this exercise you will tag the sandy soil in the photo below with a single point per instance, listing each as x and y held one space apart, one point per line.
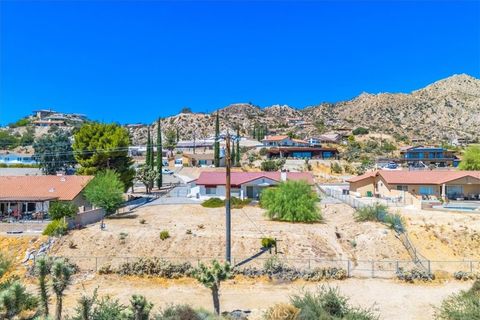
392 300
338 237
445 236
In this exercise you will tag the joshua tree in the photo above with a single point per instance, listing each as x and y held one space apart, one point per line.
140 307
14 299
61 279
42 268
211 277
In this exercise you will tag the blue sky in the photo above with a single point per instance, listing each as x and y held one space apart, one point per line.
134 61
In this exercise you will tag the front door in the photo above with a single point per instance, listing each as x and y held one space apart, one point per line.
250 194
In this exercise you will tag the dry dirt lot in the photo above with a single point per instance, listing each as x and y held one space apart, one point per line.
338 237
445 236
392 300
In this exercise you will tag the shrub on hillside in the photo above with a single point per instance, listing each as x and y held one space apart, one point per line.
281 311
268 243
179 312
164 235
56 228
359 131
150 267
272 165
213 203
61 209
461 306
292 201
414 274
370 213
328 303
335 167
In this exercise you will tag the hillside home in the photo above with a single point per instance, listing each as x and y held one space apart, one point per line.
201 160
24 196
191 146
302 153
413 186
283 141
49 123
333 138
243 184
10 158
423 155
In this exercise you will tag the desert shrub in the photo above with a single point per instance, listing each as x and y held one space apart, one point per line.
178 312
335 167
238 203
414 274
292 201
56 228
263 151
268 243
14 299
143 221
328 303
272 165
213 203
359 131
152 267
164 235
370 213
5 264
235 203
463 275
281 311
461 306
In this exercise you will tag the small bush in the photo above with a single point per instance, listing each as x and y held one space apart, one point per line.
213 203
179 312
143 221
5 264
268 243
328 303
335 167
414 274
461 306
60 209
188 231
123 236
272 165
359 131
281 311
151 267
164 235
371 213
56 228
237 203
201 226
263 151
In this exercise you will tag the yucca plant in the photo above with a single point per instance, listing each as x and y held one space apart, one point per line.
61 273
140 307
42 270
14 299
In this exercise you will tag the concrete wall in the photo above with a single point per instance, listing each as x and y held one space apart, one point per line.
86 218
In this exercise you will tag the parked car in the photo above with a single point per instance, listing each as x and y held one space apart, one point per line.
167 171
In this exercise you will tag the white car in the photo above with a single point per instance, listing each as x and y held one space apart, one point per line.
167 171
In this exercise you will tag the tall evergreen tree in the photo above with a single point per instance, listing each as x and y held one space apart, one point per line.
237 154
217 142
148 156
233 157
254 133
159 154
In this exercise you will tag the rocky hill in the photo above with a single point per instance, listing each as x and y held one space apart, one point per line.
446 109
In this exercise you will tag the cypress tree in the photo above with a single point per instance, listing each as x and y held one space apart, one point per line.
217 142
148 156
159 154
254 134
178 135
233 156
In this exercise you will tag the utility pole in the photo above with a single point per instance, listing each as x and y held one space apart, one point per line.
227 199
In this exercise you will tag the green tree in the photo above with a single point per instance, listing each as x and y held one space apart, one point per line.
148 157
170 139
105 191
54 152
27 137
464 305
159 154
61 273
233 156
211 277
42 270
99 147
62 209
292 201
216 149
320 126
471 158
360 131
7 140
147 176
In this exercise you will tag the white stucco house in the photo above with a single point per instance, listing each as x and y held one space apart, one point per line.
243 184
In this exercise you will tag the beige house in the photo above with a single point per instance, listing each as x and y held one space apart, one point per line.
417 185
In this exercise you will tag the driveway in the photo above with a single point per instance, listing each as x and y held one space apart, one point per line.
178 195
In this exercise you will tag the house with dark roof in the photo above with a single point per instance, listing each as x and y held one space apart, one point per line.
425 155
243 184
414 186
22 196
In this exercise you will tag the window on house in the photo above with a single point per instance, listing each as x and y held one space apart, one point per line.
210 190
402 188
426 190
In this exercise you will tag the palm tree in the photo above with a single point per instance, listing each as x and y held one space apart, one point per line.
211 277
61 279
42 268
